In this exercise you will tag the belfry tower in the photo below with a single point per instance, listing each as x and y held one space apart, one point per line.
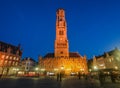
61 41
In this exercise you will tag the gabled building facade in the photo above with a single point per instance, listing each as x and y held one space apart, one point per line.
10 57
109 60
28 67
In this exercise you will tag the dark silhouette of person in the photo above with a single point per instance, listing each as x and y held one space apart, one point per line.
58 76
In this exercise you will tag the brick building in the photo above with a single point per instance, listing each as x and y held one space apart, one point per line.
62 59
10 56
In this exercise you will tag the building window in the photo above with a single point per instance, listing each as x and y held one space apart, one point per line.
7 57
10 57
110 60
61 52
61 33
9 62
1 62
17 59
14 58
16 63
5 63
3 56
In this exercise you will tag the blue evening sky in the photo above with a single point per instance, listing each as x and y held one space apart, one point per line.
93 25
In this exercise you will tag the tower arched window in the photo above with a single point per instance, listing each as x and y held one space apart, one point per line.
61 33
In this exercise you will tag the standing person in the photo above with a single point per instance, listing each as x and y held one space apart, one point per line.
101 79
58 76
79 75
86 77
113 78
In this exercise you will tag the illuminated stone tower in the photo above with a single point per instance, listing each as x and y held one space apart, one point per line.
61 41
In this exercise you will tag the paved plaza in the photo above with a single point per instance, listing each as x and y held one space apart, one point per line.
51 82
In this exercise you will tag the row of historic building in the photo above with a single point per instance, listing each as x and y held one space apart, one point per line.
60 61
107 62
11 62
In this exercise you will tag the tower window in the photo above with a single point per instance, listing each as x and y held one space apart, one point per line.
60 19
61 32
61 52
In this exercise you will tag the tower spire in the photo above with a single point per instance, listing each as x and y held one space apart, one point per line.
61 41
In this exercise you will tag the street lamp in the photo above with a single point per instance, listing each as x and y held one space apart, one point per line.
95 68
37 71
62 67
116 67
90 70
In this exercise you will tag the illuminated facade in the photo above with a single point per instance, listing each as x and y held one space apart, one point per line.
27 67
28 64
62 59
109 60
9 58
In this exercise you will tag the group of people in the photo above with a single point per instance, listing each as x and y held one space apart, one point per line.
59 77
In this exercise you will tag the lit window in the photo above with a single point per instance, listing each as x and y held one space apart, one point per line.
61 32
5 63
3 56
110 60
116 67
10 57
17 59
9 62
1 61
7 57
14 58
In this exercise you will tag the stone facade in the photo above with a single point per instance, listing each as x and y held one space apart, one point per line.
28 67
28 64
62 59
76 64
109 60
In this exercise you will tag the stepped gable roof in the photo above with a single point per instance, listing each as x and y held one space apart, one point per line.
4 46
29 59
71 54
114 52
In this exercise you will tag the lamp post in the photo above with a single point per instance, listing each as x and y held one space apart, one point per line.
37 72
95 68
62 68
81 70
42 71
